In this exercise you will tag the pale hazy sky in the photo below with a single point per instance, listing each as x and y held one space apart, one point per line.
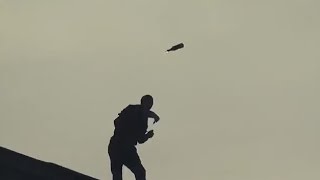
240 102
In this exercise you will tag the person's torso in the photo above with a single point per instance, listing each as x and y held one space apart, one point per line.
130 123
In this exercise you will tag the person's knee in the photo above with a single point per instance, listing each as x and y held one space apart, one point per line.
143 171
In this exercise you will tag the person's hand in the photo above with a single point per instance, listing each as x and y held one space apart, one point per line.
156 120
150 134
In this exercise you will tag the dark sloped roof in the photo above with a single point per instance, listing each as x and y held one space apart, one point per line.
16 166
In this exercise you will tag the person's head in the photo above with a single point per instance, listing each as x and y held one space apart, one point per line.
147 101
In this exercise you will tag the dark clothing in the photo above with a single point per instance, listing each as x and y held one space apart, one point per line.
128 156
130 129
131 125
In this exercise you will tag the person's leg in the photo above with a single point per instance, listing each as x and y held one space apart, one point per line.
133 162
116 162
116 169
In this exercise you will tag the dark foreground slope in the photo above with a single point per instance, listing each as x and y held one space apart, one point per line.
16 166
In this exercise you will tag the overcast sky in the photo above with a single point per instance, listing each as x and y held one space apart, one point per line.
240 102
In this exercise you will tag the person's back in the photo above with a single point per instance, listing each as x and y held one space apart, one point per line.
129 124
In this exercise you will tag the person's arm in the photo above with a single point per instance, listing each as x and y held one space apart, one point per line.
143 134
143 138
154 116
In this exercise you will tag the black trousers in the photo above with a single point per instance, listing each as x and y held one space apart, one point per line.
125 155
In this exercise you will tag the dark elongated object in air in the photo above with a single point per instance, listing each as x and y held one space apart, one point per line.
176 47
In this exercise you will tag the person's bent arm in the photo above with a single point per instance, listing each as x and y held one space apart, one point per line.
154 116
143 138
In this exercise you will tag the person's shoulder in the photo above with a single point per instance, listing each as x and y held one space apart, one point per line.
134 106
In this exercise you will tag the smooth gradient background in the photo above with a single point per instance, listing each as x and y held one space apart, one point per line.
240 102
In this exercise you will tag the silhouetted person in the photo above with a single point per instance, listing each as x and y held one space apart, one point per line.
130 129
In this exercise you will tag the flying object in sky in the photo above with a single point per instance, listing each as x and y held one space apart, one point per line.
176 47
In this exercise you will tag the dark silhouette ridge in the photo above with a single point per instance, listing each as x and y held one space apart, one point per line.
176 47
130 129
16 166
